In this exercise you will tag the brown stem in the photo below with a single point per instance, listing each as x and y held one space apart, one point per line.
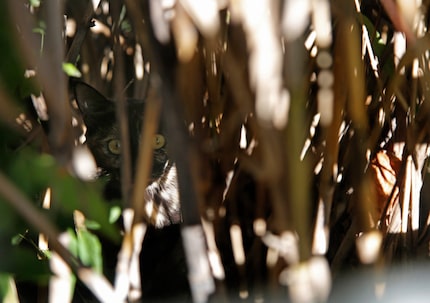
54 83
121 105
83 27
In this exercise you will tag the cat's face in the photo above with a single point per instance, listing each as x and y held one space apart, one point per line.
103 131
103 139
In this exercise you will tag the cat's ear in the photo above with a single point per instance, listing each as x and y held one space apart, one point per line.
89 100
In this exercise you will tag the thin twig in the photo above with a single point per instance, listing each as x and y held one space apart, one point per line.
83 27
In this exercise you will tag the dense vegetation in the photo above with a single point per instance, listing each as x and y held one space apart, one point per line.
299 130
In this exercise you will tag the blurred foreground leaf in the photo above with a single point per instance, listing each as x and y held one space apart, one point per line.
71 70
89 250
7 293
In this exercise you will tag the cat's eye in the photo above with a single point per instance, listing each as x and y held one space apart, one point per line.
114 146
159 141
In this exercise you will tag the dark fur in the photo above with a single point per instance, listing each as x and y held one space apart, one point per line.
162 200
163 266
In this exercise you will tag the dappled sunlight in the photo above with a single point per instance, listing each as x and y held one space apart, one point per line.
214 150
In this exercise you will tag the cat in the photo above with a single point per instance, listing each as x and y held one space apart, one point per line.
162 260
103 139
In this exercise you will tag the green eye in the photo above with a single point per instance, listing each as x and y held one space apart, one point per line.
159 141
114 146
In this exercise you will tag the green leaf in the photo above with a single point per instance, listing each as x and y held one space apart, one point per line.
87 247
126 26
91 224
73 245
90 250
7 294
17 239
34 3
71 70
114 214
41 166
